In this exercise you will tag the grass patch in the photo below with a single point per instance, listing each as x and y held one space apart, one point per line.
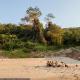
19 53
31 49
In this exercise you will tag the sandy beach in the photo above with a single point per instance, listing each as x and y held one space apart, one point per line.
35 69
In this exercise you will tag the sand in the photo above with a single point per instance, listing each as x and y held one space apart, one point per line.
35 69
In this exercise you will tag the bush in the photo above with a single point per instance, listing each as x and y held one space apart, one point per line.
29 45
19 53
25 50
40 47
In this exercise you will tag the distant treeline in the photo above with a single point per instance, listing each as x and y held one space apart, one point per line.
13 36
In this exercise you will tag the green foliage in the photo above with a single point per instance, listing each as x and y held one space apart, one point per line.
32 37
8 42
31 14
72 36
19 53
8 28
49 17
54 34
40 47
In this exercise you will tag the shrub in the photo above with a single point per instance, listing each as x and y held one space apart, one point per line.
19 53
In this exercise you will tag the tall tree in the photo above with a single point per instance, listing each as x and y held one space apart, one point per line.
49 17
32 16
53 31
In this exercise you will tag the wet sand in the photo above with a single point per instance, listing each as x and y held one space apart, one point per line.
35 69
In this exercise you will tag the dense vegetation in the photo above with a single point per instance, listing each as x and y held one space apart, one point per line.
34 37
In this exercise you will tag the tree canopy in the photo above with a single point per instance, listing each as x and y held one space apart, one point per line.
15 36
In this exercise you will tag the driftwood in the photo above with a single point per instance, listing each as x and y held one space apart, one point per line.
56 64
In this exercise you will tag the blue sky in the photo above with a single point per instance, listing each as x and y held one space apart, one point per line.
67 12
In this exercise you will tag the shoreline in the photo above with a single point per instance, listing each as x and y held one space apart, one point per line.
35 69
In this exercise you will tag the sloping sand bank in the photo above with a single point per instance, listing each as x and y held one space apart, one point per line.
35 69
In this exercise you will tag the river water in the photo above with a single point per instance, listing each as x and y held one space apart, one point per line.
64 59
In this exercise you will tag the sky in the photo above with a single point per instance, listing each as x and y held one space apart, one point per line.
66 12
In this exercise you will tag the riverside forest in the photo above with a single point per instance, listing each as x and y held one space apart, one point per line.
34 39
